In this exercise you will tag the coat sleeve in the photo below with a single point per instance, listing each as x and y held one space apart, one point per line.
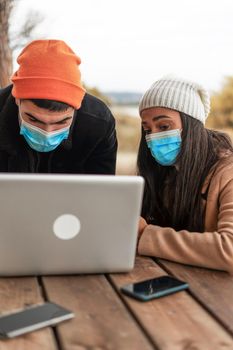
103 157
4 94
208 249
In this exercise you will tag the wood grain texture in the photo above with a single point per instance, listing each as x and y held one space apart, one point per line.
176 321
213 289
17 293
101 321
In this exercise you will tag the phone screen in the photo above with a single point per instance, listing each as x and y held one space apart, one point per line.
32 318
154 288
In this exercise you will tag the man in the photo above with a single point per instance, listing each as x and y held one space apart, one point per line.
48 123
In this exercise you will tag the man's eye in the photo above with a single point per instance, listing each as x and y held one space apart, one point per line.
32 120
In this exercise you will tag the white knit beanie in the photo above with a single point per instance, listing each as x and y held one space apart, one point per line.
178 94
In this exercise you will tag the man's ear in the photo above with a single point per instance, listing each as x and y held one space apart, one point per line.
17 101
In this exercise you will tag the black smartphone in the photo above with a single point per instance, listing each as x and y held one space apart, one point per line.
32 318
154 288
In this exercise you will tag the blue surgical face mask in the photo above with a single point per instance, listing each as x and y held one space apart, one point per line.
165 146
40 140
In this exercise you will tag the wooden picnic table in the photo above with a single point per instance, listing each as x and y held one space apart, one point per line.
198 318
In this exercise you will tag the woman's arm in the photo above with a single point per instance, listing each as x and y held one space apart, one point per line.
207 249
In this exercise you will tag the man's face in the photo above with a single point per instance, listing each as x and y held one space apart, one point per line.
43 118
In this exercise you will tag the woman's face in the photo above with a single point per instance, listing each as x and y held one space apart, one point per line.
158 119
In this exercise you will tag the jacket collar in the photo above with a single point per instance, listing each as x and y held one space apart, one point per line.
9 126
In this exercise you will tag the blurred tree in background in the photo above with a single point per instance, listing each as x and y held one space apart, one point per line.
11 41
221 114
128 128
5 50
26 32
96 92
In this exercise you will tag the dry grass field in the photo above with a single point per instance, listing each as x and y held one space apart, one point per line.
128 134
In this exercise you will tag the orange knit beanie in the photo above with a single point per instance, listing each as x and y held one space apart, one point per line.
48 69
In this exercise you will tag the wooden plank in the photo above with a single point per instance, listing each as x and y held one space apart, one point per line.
176 321
214 289
17 293
101 321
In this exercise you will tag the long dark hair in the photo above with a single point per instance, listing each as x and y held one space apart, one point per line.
172 195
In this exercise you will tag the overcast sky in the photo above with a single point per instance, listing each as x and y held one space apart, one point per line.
125 45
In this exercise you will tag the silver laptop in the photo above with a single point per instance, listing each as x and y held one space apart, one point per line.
68 224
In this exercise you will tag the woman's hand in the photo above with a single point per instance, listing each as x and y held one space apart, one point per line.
141 227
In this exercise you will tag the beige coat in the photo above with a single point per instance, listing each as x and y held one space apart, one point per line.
214 247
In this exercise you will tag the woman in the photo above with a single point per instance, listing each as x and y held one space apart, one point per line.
188 170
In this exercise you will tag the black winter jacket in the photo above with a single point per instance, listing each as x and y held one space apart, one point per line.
90 148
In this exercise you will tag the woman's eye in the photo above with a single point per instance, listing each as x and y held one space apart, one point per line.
164 127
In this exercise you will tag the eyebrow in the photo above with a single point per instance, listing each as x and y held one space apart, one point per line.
158 117
40 121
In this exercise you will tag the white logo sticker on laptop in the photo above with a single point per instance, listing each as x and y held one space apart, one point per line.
66 226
